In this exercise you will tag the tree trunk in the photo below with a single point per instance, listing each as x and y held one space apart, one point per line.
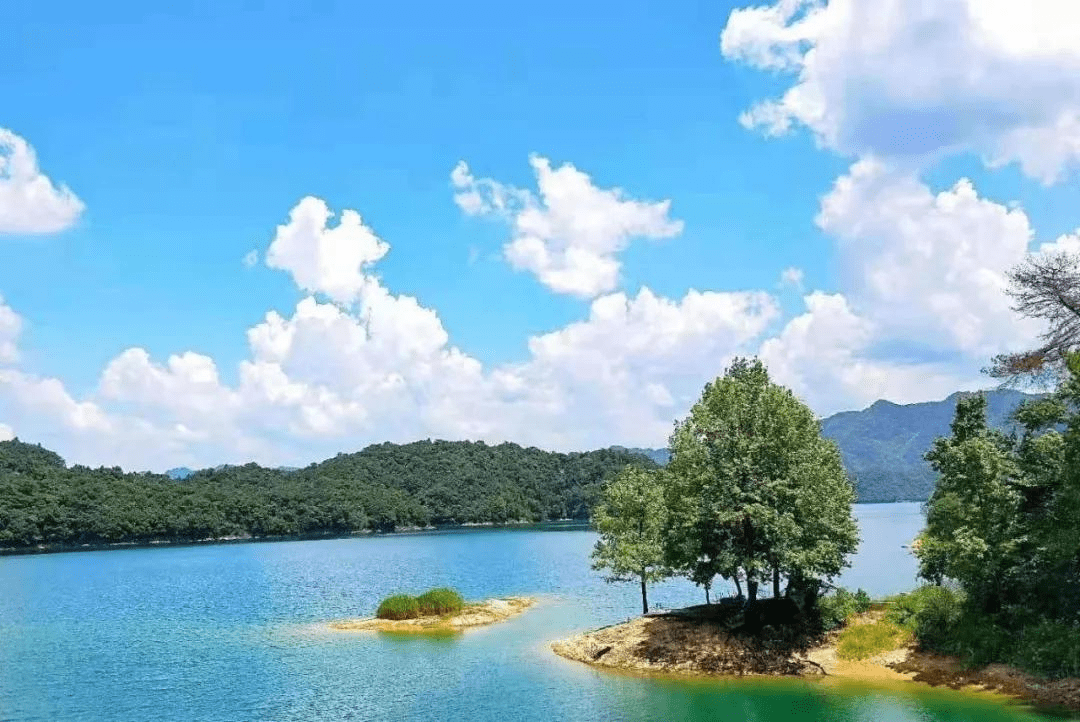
751 589
738 583
776 582
707 594
644 596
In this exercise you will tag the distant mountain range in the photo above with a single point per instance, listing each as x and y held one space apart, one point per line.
883 445
182 472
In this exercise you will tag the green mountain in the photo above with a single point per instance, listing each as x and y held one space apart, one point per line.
382 488
883 445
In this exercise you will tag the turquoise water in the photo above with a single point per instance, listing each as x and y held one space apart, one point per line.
238 632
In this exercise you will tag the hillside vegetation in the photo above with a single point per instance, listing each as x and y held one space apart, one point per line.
384 487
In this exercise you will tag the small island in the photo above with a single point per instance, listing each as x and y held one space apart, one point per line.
436 611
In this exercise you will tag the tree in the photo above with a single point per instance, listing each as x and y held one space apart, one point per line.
631 517
1046 287
971 532
755 490
1002 520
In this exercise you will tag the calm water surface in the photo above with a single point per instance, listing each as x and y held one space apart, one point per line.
238 632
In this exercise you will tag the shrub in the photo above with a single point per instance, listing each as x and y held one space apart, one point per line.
930 611
836 608
440 601
1049 648
861 641
398 606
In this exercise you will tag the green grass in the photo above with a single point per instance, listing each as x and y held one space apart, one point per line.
861 641
398 606
434 602
440 601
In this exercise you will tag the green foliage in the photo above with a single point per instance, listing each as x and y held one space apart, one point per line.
399 606
631 518
382 488
861 641
440 601
836 608
1050 648
755 492
929 611
1002 525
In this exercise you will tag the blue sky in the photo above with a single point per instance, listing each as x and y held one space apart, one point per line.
189 134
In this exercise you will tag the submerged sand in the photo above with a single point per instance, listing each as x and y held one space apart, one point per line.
491 611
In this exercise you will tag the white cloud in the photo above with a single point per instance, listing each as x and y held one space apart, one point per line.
570 236
792 277
250 259
915 79
330 377
322 259
930 268
10 328
826 356
6 433
29 202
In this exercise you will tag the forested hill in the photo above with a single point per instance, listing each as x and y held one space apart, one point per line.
383 487
883 445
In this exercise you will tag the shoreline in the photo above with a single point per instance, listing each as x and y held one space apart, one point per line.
672 646
63 548
481 614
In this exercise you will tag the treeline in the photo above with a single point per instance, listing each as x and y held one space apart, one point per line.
382 488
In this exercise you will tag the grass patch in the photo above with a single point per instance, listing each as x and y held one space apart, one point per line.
440 601
435 602
398 606
861 641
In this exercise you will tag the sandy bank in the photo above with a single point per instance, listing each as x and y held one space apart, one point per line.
670 644
473 615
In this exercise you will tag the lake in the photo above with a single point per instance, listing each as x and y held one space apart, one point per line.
239 632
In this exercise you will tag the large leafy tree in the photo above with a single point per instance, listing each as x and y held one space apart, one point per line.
1002 521
755 491
631 517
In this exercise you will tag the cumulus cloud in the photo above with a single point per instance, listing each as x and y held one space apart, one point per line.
826 356
29 202
332 376
931 267
570 235
911 79
6 433
10 328
321 258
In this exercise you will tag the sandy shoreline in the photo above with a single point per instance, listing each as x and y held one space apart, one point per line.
671 645
483 614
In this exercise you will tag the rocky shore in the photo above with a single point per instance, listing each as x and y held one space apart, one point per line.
684 643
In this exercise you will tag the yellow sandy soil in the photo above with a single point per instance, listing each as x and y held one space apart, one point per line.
473 615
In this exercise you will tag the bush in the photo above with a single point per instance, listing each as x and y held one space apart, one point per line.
861 641
836 608
440 601
1049 648
398 606
930 611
